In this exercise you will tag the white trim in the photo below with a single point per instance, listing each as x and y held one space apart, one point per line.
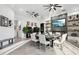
13 47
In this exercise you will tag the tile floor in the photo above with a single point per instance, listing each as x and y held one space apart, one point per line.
25 48
28 49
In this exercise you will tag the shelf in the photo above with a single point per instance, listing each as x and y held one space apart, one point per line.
72 31
48 23
73 20
48 27
72 25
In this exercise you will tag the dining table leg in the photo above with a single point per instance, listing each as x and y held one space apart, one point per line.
52 43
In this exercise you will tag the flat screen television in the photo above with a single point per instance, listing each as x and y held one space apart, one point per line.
58 24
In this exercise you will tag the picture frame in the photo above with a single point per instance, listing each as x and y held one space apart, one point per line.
70 17
0 20
32 24
4 21
77 16
35 24
20 27
10 22
28 23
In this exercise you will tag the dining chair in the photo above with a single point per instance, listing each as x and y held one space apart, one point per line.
43 41
33 39
50 33
58 33
61 42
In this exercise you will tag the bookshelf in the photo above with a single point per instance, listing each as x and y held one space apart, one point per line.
73 24
48 25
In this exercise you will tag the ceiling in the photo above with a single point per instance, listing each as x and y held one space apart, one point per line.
20 9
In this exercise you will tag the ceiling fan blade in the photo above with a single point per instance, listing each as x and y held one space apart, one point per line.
58 6
35 15
33 12
51 4
28 12
54 8
50 9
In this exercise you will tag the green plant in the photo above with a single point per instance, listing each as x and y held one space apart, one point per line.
25 30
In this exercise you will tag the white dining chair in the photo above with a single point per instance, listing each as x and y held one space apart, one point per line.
33 39
61 42
58 33
50 33
43 41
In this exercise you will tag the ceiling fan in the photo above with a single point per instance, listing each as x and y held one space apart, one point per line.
52 6
33 13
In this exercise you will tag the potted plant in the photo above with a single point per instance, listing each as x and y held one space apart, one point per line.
25 31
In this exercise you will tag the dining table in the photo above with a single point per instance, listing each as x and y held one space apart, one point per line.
52 38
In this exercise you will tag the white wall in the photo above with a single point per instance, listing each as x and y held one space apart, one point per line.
7 32
23 19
